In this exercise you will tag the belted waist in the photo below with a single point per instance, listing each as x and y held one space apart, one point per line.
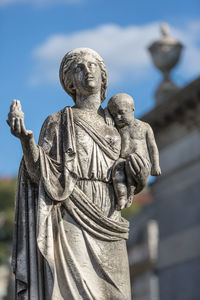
94 179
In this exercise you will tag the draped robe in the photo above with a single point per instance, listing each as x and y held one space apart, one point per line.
69 241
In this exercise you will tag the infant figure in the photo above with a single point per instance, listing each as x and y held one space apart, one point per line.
137 139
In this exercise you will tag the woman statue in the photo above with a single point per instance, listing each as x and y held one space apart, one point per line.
70 241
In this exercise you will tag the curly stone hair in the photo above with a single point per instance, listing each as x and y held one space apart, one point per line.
68 64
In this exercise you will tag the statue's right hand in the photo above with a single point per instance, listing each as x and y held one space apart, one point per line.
16 121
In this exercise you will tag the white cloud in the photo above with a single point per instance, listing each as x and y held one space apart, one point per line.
124 50
189 37
38 2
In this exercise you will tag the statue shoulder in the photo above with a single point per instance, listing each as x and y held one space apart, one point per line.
49 127
142 125
53 118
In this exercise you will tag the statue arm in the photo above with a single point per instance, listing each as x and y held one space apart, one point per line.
31 157
29 147
153 151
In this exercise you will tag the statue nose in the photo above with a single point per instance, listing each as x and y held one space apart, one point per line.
87 70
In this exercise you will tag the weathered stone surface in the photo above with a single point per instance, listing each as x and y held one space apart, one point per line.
69 240
137 142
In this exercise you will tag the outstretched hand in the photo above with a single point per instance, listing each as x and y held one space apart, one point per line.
16 121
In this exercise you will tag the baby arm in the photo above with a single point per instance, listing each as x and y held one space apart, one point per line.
153 151
108 118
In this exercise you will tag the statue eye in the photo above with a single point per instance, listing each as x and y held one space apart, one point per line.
120 112
79 68
92 65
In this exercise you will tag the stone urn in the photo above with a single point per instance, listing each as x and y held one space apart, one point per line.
165 55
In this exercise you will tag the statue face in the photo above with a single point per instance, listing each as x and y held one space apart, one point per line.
87 75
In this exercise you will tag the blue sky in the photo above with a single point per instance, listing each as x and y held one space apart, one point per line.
35 35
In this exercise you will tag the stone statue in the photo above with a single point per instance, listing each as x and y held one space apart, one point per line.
137 140
165 54
70 239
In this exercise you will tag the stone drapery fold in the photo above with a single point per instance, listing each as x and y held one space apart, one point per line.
45 213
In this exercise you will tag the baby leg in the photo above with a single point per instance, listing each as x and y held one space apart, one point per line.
131 187
119 182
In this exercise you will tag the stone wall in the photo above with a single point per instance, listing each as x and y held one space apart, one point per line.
176 124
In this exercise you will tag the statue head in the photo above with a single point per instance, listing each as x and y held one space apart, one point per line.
122 107
68 67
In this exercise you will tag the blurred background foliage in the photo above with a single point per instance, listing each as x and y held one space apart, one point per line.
8 188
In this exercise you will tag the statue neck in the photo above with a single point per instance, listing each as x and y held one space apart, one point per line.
88 102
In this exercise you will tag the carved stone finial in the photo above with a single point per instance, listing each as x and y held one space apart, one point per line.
165 54
164 27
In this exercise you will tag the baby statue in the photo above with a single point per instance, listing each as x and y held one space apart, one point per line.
137 138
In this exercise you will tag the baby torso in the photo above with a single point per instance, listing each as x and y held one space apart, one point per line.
133 138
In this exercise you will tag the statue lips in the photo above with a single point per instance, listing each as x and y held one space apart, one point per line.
119 122
91 81
89 78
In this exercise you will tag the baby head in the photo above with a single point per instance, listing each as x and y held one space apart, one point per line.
121 107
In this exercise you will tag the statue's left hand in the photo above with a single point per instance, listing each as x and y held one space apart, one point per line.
139 168
16 121
137 163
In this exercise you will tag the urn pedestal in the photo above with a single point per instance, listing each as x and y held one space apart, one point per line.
165 54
